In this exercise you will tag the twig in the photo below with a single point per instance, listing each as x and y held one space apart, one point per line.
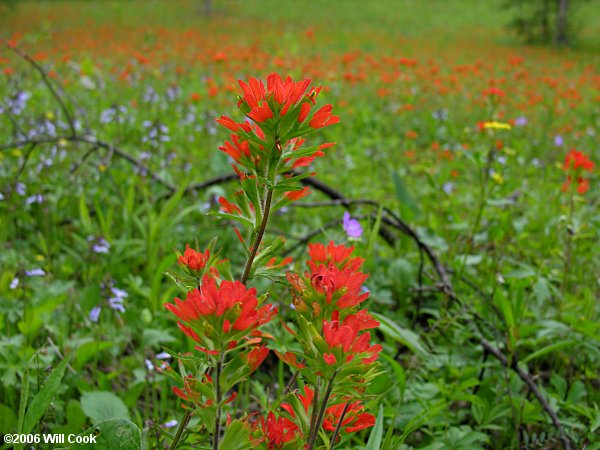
48 84
526 377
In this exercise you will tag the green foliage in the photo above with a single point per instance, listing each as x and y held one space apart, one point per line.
502 242
100 406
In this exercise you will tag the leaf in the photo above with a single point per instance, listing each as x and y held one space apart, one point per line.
88 350
374 442
403 196
23 401
113 434
236 437
402 335
103 405
152 337
40 402
549 349
8 418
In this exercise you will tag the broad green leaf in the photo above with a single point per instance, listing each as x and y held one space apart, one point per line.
236 437
103 405
113 434
8 418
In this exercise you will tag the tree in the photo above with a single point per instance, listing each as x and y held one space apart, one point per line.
543 21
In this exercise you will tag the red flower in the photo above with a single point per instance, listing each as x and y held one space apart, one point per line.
344 337
218 311
575 164
290 359
354 419
278 431
577 160
493 92
237 148
338 255
232 125
256 356
229 208
194 260
323 117
296 195
304 110
261 113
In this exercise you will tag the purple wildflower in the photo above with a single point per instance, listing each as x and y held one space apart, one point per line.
352 227
521 121
95 314
170 424
558 140
35 273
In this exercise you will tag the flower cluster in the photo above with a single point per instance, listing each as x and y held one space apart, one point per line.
575 164
336 350
224 316
278 113
217 316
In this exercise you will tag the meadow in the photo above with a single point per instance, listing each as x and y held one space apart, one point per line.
464 173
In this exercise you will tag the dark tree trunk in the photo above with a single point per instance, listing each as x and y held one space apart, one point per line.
561 36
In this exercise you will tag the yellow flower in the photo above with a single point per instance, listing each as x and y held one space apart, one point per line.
16 153
496 126
50 115
62 142
497 178
102 168
39 258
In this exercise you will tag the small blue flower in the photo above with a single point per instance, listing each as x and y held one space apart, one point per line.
558 140
352 227
95 314
521 121
170 424
35 273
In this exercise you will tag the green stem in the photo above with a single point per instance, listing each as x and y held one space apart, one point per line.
259 235
568 245
319 421
182 426
339 425
218 399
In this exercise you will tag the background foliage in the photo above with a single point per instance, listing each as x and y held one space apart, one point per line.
89 220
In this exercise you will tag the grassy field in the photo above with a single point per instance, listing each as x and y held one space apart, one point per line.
483 270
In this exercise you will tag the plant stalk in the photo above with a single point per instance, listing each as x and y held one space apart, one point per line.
339 425
259 235
218 400
317 425
182 426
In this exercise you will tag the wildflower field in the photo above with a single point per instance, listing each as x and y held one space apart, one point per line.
297 225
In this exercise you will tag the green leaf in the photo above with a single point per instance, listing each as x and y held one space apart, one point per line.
8 418
406 201
374 442
113 434
402 335
23 401
40 402
236 437
88 350
103 405
549 349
